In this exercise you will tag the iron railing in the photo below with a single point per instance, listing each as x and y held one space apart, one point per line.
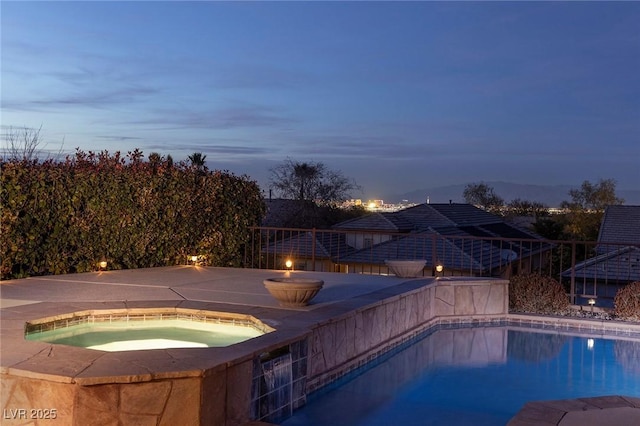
588 270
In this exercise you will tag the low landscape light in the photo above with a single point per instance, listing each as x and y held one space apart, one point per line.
194 258
288 263
439 268
102 264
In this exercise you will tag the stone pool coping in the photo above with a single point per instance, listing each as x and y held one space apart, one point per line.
595 411
137 316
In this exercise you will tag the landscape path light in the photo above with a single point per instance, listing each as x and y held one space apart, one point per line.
439 269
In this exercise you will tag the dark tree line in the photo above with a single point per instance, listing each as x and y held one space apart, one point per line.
580 216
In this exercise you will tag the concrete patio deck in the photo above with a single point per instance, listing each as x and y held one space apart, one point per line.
223 285
216 289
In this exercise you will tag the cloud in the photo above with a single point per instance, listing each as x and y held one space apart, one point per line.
250 116
237 150
255 116
226 148
349 146
98 99
118 138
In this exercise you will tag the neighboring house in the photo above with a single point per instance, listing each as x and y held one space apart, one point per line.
617 259
466 240
463 238
308 250
290 244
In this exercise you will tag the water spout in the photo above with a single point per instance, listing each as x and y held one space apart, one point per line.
278 378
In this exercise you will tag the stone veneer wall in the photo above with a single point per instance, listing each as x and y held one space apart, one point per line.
36 401
220 397
347 342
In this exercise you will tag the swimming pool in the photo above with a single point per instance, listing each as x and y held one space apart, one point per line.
476 376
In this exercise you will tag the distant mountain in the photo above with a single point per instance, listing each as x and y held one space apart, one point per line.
550 195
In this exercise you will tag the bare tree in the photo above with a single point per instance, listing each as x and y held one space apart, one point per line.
483 196
24 143
310 181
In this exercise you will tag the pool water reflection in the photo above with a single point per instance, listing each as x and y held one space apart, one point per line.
476 376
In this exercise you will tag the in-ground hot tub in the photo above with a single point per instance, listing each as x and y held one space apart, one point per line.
127 330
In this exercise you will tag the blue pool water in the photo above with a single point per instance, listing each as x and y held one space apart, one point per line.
476 376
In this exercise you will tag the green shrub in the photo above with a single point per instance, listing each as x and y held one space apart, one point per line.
627 302
67 216
534 293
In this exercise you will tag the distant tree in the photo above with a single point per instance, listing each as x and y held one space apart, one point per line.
197 161
159 162
483 196
155 160
310 181
585 210
593 197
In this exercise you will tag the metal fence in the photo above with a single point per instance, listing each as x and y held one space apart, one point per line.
589 271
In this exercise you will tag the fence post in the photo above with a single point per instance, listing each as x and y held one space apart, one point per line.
573 273
313 249
434 254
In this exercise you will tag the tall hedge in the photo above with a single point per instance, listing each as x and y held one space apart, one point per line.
67 216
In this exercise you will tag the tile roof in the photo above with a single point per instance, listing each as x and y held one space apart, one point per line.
463 253
465 214
387 221
621 264
327 244
505 230
426 231
422 217
416 246
618 248
620 224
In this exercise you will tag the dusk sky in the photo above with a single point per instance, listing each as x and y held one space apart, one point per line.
398 96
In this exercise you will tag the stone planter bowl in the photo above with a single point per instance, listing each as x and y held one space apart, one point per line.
293 292
406 268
